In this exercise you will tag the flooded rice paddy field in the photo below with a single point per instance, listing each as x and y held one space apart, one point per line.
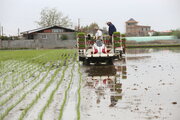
53 85
144 85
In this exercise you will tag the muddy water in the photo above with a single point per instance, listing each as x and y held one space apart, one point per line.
144 85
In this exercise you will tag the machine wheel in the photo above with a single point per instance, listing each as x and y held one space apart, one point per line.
81 59
86 62
120 55
110 62
124 50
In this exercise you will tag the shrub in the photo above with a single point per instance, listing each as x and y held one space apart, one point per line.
9 38
177 33
64 37
4 38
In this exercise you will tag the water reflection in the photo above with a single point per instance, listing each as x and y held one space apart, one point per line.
151 50
106 81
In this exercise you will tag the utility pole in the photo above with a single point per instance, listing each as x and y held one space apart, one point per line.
78 24
18 32
2 30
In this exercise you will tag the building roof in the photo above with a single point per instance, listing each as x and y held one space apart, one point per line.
44 28
131 20
143 26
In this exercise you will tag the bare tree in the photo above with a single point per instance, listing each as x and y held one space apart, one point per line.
50 17
89 28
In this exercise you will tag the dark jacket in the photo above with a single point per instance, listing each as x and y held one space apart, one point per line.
112 29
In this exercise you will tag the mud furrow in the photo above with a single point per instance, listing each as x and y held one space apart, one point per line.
3 115
79 94
50 100
69 105
10 107
40 95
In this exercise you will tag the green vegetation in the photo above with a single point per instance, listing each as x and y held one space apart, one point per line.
171 33
64 37
176 33
81 40
89 28
117 39
66 95
23 72
51 17
152 46
79 95
9 38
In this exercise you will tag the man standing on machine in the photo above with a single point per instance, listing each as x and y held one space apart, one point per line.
111 30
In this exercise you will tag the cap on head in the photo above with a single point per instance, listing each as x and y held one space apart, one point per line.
108 23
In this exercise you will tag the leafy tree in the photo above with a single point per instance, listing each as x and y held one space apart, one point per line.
156 34
176 33
50 17
89 28
105 31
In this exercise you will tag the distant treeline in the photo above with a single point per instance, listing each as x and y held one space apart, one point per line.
9 38
173 33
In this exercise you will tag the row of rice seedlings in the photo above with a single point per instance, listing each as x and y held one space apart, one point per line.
5 66
17 91
14 75
23 67
23 61
23 96
21 80
17 64
14 93
14 83
36 98
79 94
66 94
10 56
50 100
23 114
33 71
14 66
22 55
8 73
3 115
40 117
18 82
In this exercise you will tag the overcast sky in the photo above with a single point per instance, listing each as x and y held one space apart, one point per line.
161 15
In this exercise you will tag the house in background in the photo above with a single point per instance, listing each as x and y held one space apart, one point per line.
50 33
133 29
48 37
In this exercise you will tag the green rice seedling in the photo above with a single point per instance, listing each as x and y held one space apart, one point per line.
41 92
16 84
79 94
65 95
51 57
3 115
18 71
14 93
51 96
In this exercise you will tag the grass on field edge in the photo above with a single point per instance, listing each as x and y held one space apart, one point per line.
152 46
128 46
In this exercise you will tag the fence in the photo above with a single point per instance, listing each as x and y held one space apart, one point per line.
37 43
